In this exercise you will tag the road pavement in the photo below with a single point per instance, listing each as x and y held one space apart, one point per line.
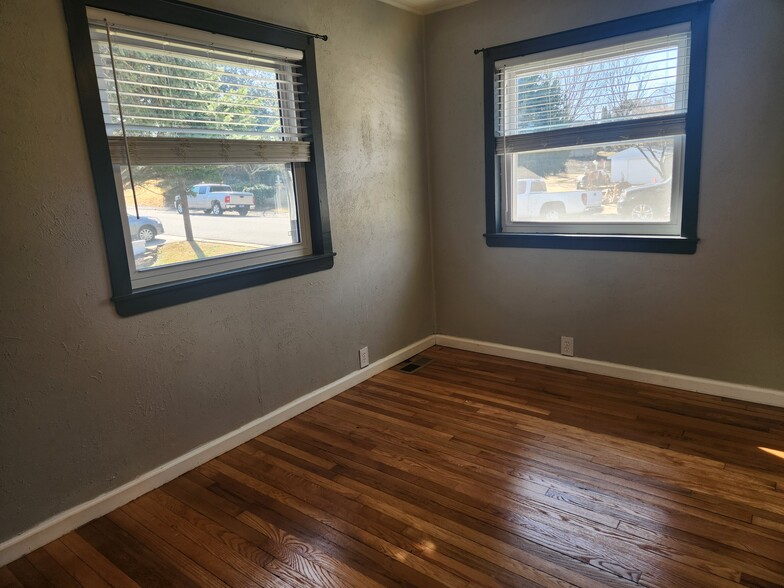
230 227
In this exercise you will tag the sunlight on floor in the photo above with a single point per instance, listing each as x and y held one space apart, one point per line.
427 546
775 452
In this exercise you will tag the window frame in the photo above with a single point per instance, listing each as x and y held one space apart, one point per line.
696 16
127 299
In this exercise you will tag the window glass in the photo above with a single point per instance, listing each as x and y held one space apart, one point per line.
259 215
629 181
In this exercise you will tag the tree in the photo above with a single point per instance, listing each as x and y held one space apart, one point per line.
540 106
619 87
540 103
656 154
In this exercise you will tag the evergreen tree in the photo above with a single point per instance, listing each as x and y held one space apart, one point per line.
540 103
540 106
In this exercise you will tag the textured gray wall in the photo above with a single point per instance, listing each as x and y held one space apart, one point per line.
717 314
89 400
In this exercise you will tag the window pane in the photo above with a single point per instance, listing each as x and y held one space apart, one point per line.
625 81
232 210
623 182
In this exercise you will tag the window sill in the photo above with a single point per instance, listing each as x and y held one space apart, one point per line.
641 243
154 297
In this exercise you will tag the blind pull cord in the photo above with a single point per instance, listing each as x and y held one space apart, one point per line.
122 118
512 189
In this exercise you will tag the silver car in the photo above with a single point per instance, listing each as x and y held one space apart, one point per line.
144 227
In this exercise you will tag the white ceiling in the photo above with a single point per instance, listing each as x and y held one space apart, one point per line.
427 6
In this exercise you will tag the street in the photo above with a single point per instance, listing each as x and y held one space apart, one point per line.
253 229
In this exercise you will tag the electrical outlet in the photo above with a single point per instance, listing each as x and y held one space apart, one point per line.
364 357
567 346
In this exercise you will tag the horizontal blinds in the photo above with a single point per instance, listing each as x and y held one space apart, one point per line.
156 150
628 85
178 101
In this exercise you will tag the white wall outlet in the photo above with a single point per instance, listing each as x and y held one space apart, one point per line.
567 346
364 357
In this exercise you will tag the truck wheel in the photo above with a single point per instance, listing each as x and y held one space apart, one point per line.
553 211
178 206
216 209
243 210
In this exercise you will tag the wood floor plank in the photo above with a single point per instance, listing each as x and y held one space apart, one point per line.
50 569
230 565
83 574
97 561
137 560
165 549
26 573
7 579
472 470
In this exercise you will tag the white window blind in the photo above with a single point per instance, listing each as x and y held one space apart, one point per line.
180 101
639 83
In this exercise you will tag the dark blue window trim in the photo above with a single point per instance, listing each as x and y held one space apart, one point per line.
129 301
697 15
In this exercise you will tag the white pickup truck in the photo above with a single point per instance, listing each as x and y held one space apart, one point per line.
534 202
215 198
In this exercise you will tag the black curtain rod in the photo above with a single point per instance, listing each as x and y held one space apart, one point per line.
290 30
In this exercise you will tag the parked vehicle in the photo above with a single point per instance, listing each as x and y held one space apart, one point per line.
215 199
650 202
145 228
534 202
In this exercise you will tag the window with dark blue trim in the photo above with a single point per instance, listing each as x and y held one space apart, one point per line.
204 137
593 135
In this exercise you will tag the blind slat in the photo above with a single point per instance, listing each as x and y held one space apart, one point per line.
148 98
114 129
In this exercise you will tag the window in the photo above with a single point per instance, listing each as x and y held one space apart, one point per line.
593 136
205 145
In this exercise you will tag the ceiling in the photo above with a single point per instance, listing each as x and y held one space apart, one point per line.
426 6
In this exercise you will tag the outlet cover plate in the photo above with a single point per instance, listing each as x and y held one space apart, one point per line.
364 357
567 346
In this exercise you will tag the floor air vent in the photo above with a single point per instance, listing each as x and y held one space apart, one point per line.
414 364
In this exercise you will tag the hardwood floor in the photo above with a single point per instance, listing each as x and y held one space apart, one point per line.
471 471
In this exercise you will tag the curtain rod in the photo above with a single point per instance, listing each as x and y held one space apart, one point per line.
290 30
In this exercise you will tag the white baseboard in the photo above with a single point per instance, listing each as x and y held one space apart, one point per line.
703 385
75 517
